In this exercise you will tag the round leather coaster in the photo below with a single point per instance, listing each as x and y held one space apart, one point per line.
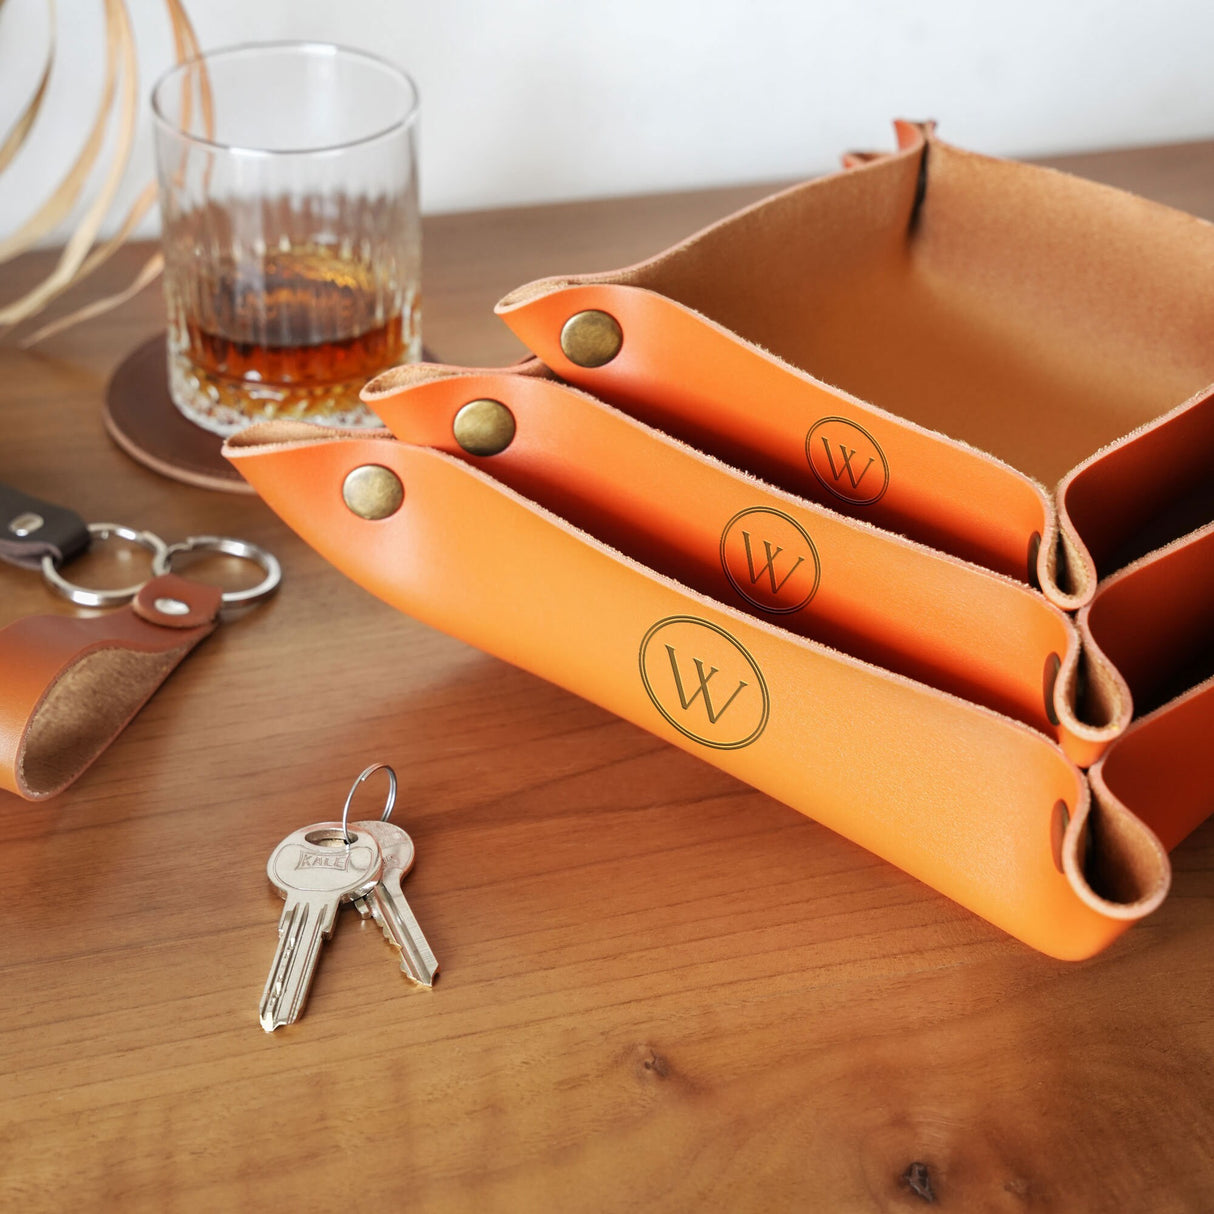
141 418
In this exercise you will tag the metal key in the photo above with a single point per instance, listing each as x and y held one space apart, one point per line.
315 870
386 902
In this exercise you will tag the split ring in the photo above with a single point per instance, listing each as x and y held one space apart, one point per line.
387 813
163 563
115 597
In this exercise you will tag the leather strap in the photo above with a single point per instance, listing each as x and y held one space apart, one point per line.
980 807
72 684
31 529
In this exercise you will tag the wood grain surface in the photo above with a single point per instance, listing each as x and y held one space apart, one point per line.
659 991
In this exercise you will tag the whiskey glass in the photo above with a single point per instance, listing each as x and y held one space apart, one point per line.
290 230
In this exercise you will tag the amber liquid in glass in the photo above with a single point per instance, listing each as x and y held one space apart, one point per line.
295 335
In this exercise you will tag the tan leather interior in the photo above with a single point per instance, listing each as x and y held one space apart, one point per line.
1004 309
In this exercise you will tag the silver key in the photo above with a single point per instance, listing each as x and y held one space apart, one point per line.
315 871
386 902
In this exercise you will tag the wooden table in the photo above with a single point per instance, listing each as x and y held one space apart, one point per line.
660 990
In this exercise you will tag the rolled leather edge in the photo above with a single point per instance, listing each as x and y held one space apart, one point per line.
970 802
876 594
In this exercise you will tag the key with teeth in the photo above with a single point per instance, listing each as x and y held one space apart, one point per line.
386 902
315 869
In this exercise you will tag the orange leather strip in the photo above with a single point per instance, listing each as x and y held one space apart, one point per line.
867 592
981 807
72 684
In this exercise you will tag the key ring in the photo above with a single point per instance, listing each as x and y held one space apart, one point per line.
391 802
162 563
34 534
104 598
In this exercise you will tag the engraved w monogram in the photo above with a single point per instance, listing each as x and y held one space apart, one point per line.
840 473
769 566
714 714
730 720
846 458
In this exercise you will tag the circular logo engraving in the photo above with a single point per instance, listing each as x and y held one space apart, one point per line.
847 460
704 682
770 560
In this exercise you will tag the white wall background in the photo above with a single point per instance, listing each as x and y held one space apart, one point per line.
529 100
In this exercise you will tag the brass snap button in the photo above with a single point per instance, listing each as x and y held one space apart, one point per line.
484 427
373 491
591 338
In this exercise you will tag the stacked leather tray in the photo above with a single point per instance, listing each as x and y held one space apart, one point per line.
742 496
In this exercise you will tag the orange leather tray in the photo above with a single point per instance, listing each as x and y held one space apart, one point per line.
744 499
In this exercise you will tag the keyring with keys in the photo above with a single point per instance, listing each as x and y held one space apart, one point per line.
315 884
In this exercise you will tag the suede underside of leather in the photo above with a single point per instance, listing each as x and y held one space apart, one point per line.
85 708
1122 864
